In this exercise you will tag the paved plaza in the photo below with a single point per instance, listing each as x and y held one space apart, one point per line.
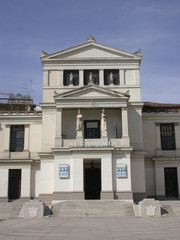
91 228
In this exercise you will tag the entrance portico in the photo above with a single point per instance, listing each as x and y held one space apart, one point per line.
91 149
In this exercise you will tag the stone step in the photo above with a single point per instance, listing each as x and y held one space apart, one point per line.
171 208
10 209
93 208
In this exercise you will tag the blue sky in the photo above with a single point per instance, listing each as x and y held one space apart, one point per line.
28 26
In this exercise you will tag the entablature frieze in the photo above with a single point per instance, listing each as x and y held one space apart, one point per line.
90 105
98 63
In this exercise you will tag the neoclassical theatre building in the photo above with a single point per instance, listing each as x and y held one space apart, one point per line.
93 137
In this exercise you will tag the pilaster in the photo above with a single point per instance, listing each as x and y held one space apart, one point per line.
81 77
121 77
101 77
177 138
26 139
45 78
158 140
60 81
125 131
7 141
106 170
58 139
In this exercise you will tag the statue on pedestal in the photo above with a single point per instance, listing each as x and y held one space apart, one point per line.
111 78
79 122
91 78
71 78
103 122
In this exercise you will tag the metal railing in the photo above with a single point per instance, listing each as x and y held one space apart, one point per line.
16 101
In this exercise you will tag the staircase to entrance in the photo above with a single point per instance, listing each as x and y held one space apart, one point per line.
10 209
93 208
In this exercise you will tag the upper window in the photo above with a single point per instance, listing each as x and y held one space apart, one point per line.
91 77
71 77
111 77
17 138
167 136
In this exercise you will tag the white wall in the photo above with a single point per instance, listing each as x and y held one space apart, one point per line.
47 176
122 184
135 128
48 129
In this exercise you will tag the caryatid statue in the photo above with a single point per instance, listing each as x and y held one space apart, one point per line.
111 78
103 122
79 122
71 78
91 78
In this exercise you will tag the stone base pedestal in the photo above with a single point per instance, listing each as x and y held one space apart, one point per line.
79 135
104 134
34 209
107 195
58 142
125 142
147 208
68 195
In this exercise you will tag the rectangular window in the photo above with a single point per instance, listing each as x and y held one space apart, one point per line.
71 78
167 136
111 77
17 138
91 77
91 129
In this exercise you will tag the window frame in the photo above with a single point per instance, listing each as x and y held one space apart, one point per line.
86 128
66 81
167 135
17 137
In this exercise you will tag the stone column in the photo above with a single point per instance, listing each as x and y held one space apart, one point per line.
121 77
101 77
158 140
125 131
7 141
79 126
103 124
58 139
81 77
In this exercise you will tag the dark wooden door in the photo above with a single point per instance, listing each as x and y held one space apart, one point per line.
171 183
14 190
92 183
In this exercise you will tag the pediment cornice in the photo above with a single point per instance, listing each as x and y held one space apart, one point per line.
91 91
90 50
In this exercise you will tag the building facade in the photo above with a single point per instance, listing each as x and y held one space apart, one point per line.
94 138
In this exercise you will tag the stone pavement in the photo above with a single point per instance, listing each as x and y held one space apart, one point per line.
68 228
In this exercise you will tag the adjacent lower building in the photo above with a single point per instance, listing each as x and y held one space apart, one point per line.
93 137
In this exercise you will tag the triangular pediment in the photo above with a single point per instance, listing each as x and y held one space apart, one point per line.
90 50
91 92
